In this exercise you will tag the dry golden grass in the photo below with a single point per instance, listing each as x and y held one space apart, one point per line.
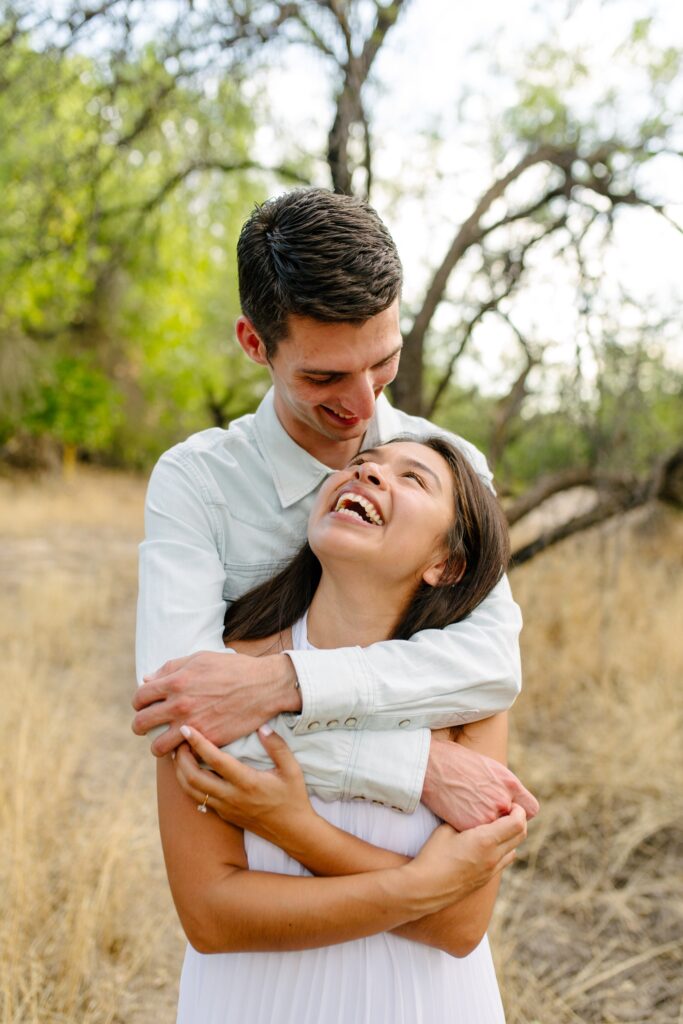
589 923
87 923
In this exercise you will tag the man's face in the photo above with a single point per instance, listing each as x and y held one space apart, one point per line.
328 376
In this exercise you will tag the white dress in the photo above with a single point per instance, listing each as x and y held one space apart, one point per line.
383 979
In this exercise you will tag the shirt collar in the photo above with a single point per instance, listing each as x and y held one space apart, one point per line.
295 473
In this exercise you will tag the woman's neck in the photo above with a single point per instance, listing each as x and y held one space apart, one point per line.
346 612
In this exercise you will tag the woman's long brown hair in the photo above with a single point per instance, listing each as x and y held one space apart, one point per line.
478 555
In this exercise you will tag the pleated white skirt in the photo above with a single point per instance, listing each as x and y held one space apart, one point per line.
382 979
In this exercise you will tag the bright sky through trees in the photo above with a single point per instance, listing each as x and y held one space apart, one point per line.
438 88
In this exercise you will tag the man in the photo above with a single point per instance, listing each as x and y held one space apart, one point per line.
320 281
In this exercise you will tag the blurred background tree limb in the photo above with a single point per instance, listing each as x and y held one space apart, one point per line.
131 156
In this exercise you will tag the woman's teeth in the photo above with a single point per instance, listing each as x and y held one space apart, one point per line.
348 499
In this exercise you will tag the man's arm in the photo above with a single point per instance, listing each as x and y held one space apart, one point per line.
398 768
274 805
181 610
463 673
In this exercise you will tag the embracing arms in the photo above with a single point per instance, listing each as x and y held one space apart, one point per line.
274 804
224 907
442 677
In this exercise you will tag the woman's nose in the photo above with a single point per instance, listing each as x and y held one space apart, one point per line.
370 472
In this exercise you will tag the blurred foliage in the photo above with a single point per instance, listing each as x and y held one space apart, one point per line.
127 169
117 277
632 415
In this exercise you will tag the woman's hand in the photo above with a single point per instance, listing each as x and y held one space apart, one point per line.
272 804
451 864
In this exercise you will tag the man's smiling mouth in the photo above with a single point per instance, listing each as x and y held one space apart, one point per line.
340 416
359 507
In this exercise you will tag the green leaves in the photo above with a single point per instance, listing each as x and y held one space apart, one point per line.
116 259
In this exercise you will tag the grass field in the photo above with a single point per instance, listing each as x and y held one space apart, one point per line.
589 924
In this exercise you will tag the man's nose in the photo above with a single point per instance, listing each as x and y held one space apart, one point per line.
360 398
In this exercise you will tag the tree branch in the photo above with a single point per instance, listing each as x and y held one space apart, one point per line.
664 484
289 173
513 273
546 486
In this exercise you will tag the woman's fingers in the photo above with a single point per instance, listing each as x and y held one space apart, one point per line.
278 751
226 766
192 779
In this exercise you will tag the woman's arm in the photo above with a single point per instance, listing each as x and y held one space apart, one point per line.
275 805
457 929
224 907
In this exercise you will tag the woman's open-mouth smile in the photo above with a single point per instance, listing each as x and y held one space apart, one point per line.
358 508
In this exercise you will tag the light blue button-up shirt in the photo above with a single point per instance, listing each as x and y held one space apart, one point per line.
227 509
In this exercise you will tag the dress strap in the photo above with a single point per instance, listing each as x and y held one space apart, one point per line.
300 634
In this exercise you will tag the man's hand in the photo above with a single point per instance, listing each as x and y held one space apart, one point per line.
467 789
225 696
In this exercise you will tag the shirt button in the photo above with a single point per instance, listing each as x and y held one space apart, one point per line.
350 722
331 725
358 798
380 802
405 723
399 809
314 725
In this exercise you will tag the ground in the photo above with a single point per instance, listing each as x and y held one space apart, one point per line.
588 926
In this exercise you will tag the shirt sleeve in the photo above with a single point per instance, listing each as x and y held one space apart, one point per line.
462 673
459 674
181 610
383 767
181 574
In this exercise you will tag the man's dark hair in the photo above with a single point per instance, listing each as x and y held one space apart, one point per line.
315 253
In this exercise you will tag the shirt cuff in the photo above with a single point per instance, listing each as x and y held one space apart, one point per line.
389 768
336 692
381 767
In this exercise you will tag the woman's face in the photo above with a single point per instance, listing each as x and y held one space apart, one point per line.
389 511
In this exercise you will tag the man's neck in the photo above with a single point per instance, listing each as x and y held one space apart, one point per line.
330 452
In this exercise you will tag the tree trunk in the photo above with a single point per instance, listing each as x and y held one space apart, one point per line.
69 453
406 390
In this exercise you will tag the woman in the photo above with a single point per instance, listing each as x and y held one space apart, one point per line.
405 538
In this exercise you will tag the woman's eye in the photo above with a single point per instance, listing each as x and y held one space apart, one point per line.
415 476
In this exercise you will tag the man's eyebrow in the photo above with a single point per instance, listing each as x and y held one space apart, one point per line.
407 461
344 373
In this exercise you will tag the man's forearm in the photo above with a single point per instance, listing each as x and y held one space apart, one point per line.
386 767
467 671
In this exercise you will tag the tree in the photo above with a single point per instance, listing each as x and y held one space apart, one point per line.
563 173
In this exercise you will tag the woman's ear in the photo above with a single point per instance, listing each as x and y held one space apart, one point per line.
433 573
250 341
433 576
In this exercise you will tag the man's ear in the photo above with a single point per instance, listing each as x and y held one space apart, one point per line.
250 341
